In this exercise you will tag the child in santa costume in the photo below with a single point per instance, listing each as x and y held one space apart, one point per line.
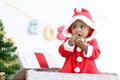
80 48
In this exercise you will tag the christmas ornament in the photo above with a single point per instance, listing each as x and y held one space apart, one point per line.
79 38
49 32
2 75
34 27
60 36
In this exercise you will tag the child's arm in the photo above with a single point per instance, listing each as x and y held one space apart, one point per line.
93 50
71 41
65 49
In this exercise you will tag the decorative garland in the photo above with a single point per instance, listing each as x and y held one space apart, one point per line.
60 35
49 32
34 26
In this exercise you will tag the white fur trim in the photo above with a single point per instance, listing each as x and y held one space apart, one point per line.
79 59
78 49
65 32
78 9
92 36
77 69
85 19
89 53
68 47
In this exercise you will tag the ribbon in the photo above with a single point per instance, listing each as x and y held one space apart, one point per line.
41 60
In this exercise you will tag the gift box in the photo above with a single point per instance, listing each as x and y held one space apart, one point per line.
36 61
36 67
39 60
54 74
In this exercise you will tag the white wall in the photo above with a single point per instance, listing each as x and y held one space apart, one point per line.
15 15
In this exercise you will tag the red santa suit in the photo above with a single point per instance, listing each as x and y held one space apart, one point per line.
76 61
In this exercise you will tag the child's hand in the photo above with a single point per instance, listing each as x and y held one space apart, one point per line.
81 44
72 40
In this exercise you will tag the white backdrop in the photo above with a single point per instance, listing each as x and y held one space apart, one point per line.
16 15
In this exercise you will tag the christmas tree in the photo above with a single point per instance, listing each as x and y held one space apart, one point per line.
8 56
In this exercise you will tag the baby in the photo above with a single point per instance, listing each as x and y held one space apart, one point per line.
80 48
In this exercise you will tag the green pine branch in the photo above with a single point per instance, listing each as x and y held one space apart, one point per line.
8 57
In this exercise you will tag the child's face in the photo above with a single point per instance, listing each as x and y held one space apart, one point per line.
80 28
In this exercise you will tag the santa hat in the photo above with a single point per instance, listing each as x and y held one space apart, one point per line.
83 15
